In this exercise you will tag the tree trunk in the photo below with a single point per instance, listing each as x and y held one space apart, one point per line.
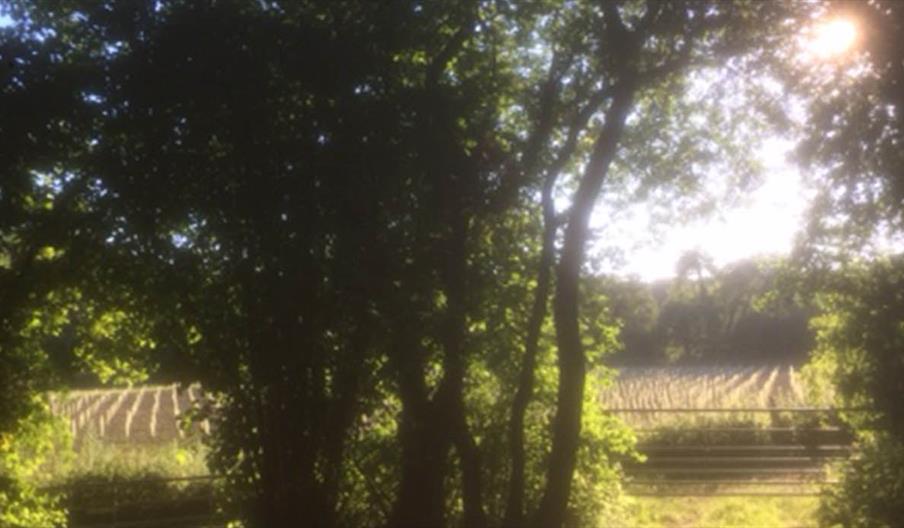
425 440
514 510
455 284
343 410
425 448
572 370
472 479
430 426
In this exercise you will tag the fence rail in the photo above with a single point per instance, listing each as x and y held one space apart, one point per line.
790 462
739 410
135 503
792 466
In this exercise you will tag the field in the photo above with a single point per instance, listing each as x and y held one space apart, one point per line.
133 463
724 394
699 387
749 439
148 414
151 413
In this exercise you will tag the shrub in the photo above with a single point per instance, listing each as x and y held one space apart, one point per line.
871 493
37 441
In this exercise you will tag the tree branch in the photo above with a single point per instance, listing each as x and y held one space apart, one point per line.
455 44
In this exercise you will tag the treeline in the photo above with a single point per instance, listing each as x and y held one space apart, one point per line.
741 313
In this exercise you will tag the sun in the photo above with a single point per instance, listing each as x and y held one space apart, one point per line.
832 38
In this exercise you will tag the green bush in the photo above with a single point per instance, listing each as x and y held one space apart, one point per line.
38 441
858 364
871 493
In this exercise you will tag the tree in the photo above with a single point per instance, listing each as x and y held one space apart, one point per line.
637 64
857 365
299 205
751 310
850 141
851 147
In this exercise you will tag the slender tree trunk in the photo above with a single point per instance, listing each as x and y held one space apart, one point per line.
291 400
287 493
472 479
454 275
514 513
344 408
514 510
450 408
572 370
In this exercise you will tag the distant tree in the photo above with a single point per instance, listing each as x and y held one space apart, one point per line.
634 306
744 312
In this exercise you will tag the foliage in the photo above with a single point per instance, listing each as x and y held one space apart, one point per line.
598 498
326 213
851 140
851 145
857 364
871 494
741 313
39 440
860 336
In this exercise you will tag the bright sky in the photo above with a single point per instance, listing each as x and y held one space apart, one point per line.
764 222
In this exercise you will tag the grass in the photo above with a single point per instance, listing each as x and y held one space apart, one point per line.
103 482
124 460
722 512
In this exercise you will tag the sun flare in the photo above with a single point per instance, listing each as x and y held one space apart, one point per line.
832 38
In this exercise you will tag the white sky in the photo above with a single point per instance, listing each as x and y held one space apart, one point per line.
764 222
